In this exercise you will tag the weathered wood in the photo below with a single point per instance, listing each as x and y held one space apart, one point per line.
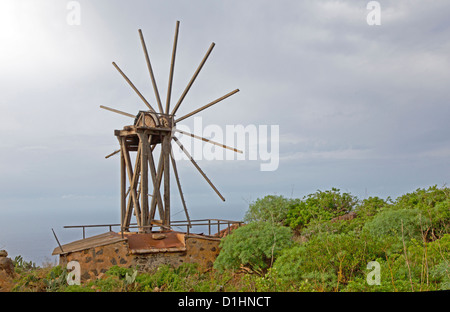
172 65
198 168
117 111
133 87
166 153
193 79
209 141
133 185
144 178
134 196
207 105
150 70
132 131
156 197
123 195
112 154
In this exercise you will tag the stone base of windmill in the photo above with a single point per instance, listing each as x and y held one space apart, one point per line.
144 252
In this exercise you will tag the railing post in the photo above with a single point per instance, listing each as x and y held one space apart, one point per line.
84 233
209 227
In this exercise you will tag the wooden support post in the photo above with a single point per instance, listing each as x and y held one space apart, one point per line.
166 152
143 141
156 178
123 195
133 185
134 196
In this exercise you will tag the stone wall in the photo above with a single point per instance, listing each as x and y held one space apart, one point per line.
97 260
202 251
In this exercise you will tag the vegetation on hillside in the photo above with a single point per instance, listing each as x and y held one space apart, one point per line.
291 244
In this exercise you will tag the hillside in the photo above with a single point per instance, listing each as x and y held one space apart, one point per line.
327 241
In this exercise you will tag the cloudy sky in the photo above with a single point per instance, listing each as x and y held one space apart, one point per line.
361 108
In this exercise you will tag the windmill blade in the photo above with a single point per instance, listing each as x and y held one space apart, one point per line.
207 105
193 79
112 154
117 111
209 141
150 70
198 168
134 88
175 171
172 65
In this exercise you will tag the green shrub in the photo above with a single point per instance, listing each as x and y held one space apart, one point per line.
118 271
369 207
254 245
434 206
166 277
271 208
320 206
404 224
423 198
441 274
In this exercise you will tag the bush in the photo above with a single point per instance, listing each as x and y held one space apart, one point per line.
369 207
320 206
271 208
404 224
254 246
434 206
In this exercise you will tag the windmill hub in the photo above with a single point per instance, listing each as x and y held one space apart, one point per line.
153 120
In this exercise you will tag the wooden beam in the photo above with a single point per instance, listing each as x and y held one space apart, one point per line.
166 153
134 196
207 105
112 154
209 141
117 111
193 79
123 195
133 185
134 88
150 70
172 65
156 178
144 178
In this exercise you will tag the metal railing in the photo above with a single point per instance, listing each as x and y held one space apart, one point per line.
210 223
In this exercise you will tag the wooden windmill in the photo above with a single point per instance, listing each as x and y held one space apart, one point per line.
148 188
